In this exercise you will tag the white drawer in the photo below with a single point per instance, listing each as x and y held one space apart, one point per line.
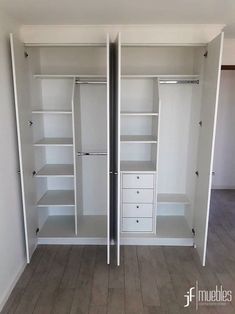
137 196
137 224
137 210
143 181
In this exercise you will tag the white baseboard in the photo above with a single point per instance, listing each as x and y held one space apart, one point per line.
11 287
72 241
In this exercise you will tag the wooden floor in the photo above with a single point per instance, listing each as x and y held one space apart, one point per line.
153 280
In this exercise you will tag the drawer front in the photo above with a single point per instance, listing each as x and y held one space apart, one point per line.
143 181
137 210
137 196
137 224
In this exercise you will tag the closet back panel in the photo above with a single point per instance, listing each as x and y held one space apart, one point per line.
136 152
58 155
174 137
136 125
73 60
92 138
54 125
158 60
137 95
56 93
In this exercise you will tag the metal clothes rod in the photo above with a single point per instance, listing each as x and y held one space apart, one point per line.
90 82
172 81
92 154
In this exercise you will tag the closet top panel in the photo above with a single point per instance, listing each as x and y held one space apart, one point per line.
131 34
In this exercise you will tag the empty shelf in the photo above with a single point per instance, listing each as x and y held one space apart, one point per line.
69 76
170 230
64 226
58 226
56 171
57 198
125 113
137 166
173 227
161 76
52 111
55 141
172 199
138 139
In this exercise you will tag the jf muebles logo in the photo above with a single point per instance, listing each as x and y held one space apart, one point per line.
217 296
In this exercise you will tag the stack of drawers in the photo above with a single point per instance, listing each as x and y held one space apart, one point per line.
137 202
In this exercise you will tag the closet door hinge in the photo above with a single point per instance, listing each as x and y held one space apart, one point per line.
193 231
26 54
37 230
34 173
200 123
197 173
206 54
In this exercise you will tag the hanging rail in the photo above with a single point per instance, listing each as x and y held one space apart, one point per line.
177 81
92 154
78 81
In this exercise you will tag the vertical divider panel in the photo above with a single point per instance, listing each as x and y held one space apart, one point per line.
108 144
74 158
157 105
118 146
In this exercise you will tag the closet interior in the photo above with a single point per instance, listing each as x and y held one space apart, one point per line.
68 97
160 110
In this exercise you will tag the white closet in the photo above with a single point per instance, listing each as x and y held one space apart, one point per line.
116 142
168 106
63 129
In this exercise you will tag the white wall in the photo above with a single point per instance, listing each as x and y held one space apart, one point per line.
12 259
224 160
229 51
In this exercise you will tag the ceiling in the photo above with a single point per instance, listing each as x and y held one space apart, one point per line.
71 12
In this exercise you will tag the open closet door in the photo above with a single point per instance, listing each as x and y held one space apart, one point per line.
108 147
117 101
210 92
24 135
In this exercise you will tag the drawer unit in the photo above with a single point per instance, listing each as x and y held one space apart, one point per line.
137 196
142 181
137 224
137 210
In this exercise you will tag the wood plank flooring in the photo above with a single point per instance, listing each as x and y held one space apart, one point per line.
150 280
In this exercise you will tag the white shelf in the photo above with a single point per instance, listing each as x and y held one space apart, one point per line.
58 198
59 170
161 76
63 226
173 227
137 166
171 230
139 113
172 199
58 226
55 141
138 139
52 112
63 76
